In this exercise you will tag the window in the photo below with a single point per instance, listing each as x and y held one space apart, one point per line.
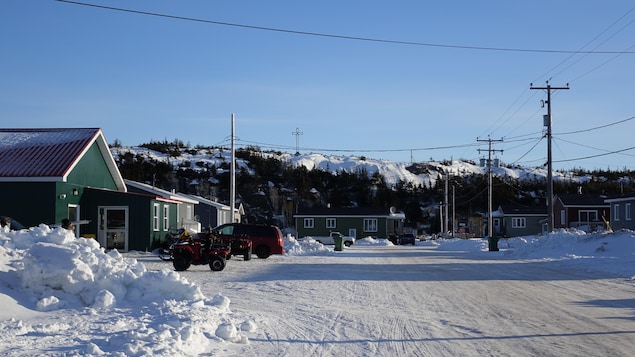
166 217
309 223
519 222
227 230
370 224
588 216
627 208
155 217
563 217
616 212
331 223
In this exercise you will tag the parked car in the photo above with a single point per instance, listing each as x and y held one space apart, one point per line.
266 240
330 239
407 239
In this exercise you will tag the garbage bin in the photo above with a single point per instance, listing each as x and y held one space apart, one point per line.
339 242
493 244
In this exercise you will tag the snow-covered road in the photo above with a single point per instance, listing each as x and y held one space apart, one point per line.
420 301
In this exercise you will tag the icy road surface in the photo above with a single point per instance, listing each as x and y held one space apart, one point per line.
419 301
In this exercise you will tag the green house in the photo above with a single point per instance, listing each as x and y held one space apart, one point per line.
358 222
47 175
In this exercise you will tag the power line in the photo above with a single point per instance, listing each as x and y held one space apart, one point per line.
584 54
528 151
598 155
343 37
589 43
597 127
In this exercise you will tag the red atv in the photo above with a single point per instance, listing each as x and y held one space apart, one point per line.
202 249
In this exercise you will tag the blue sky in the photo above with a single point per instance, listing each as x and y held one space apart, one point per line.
424 84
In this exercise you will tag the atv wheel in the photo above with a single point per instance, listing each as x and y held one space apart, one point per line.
263 252
165 255
247 255
216 263
182 261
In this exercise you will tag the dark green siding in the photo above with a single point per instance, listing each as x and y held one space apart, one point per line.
91 170
343 224
140 233
30 203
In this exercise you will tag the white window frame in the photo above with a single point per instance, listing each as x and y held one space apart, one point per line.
627 209
519 222
331 223
166 217
309 223
588 214
370 224
616 212
155 217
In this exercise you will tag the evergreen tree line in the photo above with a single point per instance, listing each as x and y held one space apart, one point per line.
266 184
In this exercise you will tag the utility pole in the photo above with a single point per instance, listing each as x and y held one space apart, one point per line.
493 243
297 134
232 180
453 210
547 123
441 217
446 203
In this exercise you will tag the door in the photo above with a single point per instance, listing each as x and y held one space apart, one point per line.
352 232
73 216
497 226
113 228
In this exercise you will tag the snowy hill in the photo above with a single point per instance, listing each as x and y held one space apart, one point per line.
424 173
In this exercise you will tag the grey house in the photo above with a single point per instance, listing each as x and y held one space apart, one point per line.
212 214
516 221
621 211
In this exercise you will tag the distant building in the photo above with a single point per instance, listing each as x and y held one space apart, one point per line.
351 221
622 211
584 211
516 221
185 208
47 175
212 214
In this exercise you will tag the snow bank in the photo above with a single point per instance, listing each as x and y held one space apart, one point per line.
603 251
146 312
305 246
373 241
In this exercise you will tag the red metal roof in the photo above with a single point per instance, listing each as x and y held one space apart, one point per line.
42 153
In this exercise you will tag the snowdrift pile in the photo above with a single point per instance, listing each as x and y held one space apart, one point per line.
49 272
